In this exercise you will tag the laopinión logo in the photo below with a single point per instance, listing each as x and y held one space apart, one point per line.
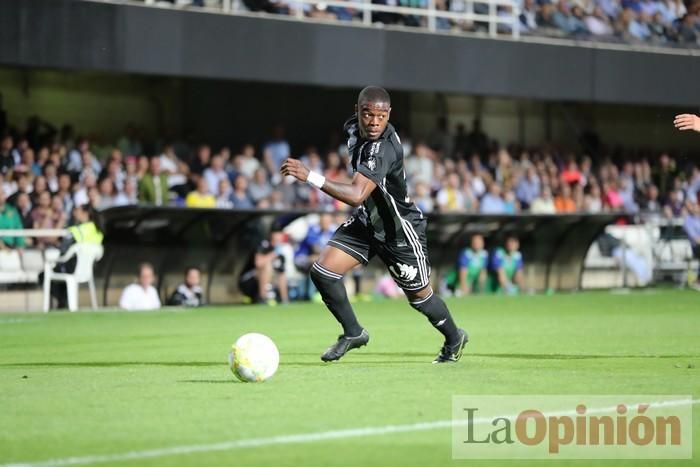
572 427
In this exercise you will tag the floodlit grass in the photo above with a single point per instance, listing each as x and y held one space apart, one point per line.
82 384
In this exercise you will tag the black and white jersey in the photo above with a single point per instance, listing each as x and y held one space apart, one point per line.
388 212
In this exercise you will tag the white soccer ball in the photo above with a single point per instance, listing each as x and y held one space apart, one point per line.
254 358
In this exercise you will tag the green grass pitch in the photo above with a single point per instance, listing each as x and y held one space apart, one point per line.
84 384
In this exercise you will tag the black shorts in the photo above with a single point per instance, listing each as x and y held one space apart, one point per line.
407 261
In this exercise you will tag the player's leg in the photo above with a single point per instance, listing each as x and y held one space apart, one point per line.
410 269
349 247
428 303
327 274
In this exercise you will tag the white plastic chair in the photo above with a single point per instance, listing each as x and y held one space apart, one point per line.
87 255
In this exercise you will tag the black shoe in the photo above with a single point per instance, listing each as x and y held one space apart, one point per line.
344 345
452 353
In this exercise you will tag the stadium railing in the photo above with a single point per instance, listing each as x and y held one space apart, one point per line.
508 18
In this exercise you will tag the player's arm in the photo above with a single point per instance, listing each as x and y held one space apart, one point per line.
353 193
687 122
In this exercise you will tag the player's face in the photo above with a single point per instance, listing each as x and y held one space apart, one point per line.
373 118
477 243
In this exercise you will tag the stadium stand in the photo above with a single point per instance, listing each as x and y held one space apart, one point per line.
451 173
653 22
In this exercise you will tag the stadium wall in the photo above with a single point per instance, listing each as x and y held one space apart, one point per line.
101 104
138 39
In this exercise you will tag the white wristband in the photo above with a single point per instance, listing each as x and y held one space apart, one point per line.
315 179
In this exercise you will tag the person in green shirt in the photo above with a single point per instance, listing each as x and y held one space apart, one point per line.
471 271
10 219
508 266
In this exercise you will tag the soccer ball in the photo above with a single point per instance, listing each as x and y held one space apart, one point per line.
254 358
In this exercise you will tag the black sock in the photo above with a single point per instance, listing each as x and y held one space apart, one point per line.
357 278
439 316
334 295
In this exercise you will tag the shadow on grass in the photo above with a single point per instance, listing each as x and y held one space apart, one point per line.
211 381
107 364
395 358
525 356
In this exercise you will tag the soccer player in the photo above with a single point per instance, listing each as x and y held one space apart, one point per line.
508 265
386 223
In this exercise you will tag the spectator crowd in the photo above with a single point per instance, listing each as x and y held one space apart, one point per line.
44 175
658 22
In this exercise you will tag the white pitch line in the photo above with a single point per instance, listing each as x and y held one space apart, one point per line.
300 438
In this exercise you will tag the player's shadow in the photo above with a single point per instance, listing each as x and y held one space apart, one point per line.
527 356
211 381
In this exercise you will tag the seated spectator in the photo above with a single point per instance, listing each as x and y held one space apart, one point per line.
422 197
23 185
691 224
175 169
472 267
527 187
189 293
201 197
507 264
510 203
566 21
141 295
246 163
613 247
24 208
223 200
450 197
201 161
492 202
7 160
544 204
153 187
83 230
260 188
240 197
599 23
10 219
215 173
592 201
564 202
108 193
263 278
420 166
45 217
51 176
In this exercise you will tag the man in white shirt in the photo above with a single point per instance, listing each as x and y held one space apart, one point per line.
141 295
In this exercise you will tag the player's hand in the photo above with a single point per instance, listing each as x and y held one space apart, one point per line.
295 168
687 122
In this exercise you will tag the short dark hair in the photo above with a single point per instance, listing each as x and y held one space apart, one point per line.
373 94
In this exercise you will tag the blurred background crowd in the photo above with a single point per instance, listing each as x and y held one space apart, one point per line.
658 22
44 172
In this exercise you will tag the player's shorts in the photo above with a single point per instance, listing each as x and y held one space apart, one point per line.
407 262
